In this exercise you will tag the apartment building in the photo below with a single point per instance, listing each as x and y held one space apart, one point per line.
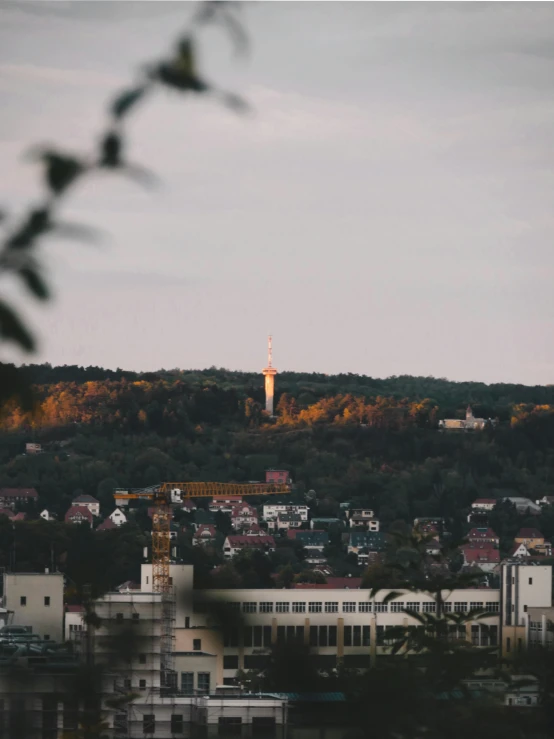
36 600
524 588
271 511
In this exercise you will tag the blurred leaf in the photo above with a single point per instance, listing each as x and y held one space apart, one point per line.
111 148
174 77
61 170
36 224
126 100
185 60
76 231
31 277
12 328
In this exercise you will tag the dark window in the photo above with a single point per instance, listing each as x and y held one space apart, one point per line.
291 634
258 636
348 636
300 634
313 636
323 638
493 634
475 635
357 636
47 637
187 622
142 684
255 661
119 617
519 645
148 723
46 600
332 636
229 725
530 581
177 724
380 636
23 600
366 636
508 644
525 609
187 682
231 662
231 638
142 659
136 616
248 635
203 682
197 645
263 725
281 631
267 636
356 661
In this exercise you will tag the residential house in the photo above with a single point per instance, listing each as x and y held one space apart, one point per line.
243 516
285 521
470 423
483 535
370 541
429 526
106 525
224 504
484 505
359 521
310 539
278 477
235 544
10 496
87 501
11 515
78 514
204 534
324 522
366 558
187 505
47 515
524 506
519 550
483 557
532 538
75 625
363 512
271 511
36 600
32 448
118 517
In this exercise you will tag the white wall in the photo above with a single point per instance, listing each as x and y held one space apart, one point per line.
182 580
45 620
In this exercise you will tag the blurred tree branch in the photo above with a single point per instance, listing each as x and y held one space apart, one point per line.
61 170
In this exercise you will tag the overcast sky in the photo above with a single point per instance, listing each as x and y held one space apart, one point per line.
388 208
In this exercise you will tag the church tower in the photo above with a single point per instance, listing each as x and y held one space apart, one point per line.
269 373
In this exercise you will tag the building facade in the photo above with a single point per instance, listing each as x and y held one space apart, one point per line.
36 600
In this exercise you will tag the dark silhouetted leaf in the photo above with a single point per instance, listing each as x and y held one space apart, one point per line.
34 282
111 150
37 223
174 77
15 382
60 170
12 328
126 100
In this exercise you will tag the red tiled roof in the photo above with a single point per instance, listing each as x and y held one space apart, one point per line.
484 501
250 541
106 524
204 527
487 556
529 534
477 533
74 609
18 493
75 510
7 512
291 533
333 583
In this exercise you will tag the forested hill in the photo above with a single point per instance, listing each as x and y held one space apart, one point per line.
349 437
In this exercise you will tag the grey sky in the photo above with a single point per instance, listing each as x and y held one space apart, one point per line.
388 209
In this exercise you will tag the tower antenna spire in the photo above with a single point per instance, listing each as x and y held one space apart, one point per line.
269 377
269 351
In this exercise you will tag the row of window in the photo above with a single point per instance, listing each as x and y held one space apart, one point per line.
354 636
362 606
227 725
202 682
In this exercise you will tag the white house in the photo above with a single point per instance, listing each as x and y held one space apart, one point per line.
235 544
483 504
520 550
74 622
270 512
284 521
118 517
243 516
47 516
87 501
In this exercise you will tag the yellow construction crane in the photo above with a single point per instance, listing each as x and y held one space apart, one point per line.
163 495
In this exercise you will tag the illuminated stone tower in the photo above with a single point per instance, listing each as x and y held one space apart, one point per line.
269 373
